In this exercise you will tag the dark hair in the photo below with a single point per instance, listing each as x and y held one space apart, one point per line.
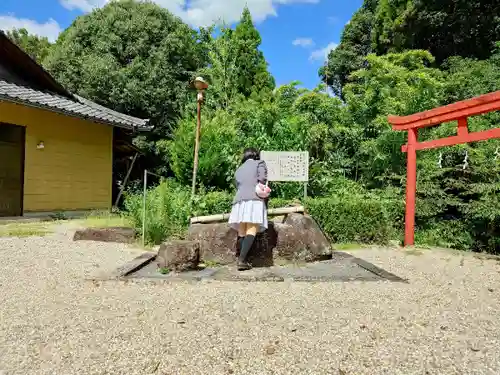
250 153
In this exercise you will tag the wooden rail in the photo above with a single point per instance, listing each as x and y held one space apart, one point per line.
222 217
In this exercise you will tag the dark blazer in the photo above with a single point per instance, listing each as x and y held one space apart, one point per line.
247 176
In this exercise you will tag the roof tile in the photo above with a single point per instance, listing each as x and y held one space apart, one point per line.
81 107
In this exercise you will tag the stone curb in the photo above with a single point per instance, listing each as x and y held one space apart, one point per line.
105 234
377 271
134 265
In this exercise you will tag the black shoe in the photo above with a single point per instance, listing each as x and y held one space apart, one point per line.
244 266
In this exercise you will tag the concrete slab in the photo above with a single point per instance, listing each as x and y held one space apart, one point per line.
150 271
342 267
135 265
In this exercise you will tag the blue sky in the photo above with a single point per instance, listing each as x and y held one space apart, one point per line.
296 34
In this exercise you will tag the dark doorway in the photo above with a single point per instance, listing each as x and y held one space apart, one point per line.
11 169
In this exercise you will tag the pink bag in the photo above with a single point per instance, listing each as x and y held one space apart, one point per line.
262 191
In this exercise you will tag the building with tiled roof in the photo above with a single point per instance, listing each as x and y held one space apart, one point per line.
57 149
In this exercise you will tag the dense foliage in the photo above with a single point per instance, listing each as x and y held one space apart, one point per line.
395 57
446 28
134 57
36 47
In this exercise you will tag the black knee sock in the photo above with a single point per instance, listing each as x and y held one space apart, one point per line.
245 247
239 242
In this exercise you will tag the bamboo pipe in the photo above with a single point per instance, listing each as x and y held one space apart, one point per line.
271 212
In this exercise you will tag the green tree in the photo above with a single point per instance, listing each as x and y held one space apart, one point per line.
219 150
35 46
350 54
467 28
446 28
222 69
236 67
471 77
134 57
251 65
290 118
399 84
388 17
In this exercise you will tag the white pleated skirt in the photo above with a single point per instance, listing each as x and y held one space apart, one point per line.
254 212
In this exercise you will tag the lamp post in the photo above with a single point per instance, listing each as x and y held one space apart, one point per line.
200 85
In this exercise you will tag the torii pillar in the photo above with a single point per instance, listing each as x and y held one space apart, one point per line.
459 112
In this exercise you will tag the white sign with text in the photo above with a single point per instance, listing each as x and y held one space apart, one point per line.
286 166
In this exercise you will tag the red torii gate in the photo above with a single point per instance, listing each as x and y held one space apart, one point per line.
459 111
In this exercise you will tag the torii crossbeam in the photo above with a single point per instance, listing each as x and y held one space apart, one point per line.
459 112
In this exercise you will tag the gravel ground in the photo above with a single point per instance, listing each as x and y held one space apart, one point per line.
54 321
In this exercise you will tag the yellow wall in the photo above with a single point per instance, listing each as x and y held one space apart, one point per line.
74 170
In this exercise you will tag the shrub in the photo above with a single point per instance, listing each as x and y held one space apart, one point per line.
168 208
220 150
281 202
352 218
212 203
167 211
366 218
445 233
393 202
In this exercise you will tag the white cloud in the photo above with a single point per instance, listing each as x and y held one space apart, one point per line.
203 12
194 12
83 5
322 53
303 42
50 29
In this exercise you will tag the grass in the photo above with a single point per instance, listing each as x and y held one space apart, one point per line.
414 251
348 246
164 270
209 264
105 220
93 220
25 229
